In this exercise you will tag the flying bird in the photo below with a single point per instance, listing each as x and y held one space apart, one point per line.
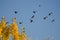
45 17
34 12
53 20
15 12
50 13
20 22
31 21
32 16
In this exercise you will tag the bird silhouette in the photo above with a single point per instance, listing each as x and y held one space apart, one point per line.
15 12
45 17
31 21
50 13
20 22
34 12
53 20
32 16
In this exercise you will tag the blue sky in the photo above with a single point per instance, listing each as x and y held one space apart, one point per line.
39 28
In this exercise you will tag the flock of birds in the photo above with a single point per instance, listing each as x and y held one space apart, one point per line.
32 17
31 20
51 13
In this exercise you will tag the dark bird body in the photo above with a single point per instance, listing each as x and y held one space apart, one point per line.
34 12
31 21
50 13
32 16
45 17
53 20
20 22
15 12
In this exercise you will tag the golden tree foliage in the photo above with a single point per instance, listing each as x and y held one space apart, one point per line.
12 29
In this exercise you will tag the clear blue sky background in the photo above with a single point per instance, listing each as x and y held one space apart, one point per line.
40 28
